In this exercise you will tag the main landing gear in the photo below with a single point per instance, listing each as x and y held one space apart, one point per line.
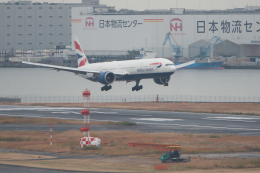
106 87
137 87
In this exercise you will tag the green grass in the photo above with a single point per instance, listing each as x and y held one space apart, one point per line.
14 139
91 147
214 136
122 123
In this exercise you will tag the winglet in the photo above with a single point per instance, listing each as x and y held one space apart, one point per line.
82 59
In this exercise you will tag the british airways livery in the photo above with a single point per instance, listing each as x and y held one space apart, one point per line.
158 69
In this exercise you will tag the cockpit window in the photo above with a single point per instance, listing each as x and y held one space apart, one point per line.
169 64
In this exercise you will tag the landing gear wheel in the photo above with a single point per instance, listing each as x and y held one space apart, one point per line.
106 88
137 87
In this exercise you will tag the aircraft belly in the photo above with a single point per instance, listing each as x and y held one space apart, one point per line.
144 76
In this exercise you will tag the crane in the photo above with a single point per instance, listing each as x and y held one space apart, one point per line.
205 49
176 49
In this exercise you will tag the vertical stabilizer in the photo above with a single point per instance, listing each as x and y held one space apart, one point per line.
142 53
82 59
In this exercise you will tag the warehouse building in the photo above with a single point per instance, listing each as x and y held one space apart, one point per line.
194 50
238 49
132 30
31 26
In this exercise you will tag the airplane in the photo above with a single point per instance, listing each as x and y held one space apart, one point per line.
158 69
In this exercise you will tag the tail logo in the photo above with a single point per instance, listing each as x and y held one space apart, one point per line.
82 59
83 62
77 47
158 64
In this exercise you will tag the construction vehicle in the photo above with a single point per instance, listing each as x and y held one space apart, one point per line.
174 155
205 49
176 49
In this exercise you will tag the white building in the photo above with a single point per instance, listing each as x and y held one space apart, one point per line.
127 30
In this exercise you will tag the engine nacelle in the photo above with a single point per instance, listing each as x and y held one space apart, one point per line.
106 77
162 81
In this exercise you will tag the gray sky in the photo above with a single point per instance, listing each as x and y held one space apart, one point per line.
167 4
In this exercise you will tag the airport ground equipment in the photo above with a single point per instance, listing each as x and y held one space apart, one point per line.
173 156
205 49
176 49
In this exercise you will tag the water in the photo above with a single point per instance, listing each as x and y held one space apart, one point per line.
35 82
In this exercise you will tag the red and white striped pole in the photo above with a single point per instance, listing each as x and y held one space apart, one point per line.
51 133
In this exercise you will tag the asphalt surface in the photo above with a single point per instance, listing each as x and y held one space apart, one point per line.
21 169
148 121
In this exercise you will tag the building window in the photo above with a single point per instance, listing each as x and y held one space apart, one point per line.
40 16
70 25
40 34
40 25
29 25
8 25
50 7
60 7
29 8
29 34
8 34
8 43
60 16
50 16
50 25
20 17
40 7
20 43
8 16
60 42
50 43
20 25
19 7
8 8
60 25
29 16
29 43
60 34
20 34
70 7
50 34
40 43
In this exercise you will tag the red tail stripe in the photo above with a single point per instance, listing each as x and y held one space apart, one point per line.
77 46
83 62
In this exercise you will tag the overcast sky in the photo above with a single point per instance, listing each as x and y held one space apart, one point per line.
167 4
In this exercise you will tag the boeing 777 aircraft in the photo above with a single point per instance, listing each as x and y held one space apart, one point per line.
106 73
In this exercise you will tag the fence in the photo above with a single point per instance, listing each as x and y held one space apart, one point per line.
142 98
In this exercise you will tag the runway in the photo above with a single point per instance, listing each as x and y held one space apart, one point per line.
148 121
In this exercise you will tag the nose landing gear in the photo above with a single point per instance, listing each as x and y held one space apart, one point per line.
106 87
137 87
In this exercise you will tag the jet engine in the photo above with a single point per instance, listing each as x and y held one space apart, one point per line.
106 77
162 81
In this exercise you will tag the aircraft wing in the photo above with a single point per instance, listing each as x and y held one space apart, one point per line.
69 69
184 64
